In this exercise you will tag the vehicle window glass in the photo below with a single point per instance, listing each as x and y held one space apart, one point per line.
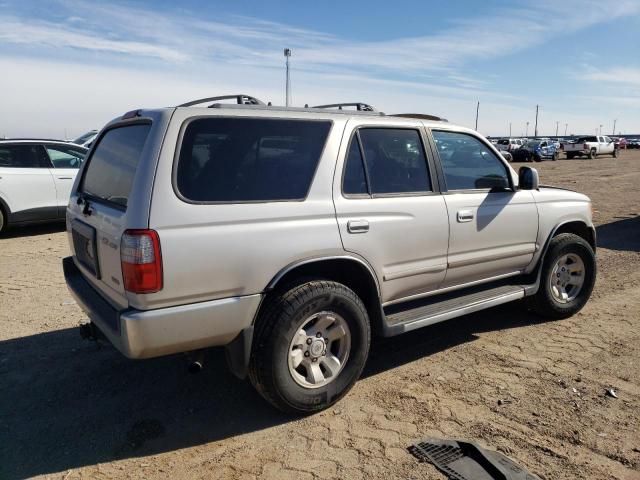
395 160
354 178
249 159
112 166
469 164
503 142
65 157
23 156
607 139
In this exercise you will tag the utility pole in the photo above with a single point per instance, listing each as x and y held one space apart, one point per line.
527 134
477 110
509 129
614 126
557 123
536 129
565 129
287 54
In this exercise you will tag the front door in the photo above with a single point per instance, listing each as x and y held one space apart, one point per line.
493 227
26 184
388 209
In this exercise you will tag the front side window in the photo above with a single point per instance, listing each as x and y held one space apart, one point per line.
23 156
469 164
394 160
65 157
249 159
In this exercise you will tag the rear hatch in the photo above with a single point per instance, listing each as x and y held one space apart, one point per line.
111 195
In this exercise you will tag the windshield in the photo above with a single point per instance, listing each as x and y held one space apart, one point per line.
532 143
85 137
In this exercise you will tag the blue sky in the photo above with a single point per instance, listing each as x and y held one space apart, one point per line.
71 65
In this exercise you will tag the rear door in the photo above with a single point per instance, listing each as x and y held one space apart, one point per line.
493 227
108 198
66 161
389 209
26 184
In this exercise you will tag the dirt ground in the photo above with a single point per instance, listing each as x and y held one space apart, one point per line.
530 388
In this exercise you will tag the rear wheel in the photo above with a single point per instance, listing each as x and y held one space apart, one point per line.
592 153
567 277
615 153
555 157
310 346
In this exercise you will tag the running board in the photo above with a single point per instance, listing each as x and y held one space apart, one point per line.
406 317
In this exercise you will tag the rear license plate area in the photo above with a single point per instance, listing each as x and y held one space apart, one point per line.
85 246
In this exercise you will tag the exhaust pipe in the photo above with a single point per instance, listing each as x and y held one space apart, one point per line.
196 362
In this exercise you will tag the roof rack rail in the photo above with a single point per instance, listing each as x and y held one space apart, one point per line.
420 116
241 99
360 107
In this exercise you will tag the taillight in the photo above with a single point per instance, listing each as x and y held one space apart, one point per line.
141 261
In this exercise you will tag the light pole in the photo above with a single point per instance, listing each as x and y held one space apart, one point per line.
557 123
600 129
477 111
287 54
614 126
527 131
565 129
509 129
536 129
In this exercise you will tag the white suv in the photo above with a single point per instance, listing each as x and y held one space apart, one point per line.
36 177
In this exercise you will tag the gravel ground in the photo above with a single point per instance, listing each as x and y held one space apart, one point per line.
530 388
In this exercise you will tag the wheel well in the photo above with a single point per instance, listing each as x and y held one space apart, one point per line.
350 273
578 228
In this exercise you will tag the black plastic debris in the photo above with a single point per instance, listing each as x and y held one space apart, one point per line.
461 460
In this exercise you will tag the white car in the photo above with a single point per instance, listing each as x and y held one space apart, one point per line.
36 177
509 144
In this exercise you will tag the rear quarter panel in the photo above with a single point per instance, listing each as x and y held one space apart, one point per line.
224 250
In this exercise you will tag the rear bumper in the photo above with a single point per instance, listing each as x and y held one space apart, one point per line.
154 333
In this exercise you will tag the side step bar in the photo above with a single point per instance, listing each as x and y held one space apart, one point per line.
412 315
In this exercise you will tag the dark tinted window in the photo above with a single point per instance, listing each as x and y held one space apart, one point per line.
249 159
62 156
587 139
354 178
468 163
113 165
23 156
395 160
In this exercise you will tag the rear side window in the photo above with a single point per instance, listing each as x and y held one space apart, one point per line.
249 159
112 167
62 156
23 156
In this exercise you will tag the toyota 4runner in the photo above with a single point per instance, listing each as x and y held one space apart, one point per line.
291 235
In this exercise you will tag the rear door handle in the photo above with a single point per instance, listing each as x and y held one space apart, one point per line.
358 226
65 178
465 216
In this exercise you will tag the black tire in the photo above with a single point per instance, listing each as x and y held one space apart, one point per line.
615 153
592 153
537 158
544 302
280 319
555 157
3 220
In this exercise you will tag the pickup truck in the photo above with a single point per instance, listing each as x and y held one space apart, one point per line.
590 147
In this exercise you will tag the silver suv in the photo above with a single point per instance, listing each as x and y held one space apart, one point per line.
291 235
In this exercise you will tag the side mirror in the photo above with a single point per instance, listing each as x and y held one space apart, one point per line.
528 178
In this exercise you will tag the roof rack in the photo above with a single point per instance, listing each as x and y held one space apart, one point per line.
420 116
360 107
241 99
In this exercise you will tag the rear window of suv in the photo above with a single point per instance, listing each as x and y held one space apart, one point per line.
227 160
113 164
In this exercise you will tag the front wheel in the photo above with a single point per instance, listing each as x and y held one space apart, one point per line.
3 221
567 277
310 346
615 153
555 157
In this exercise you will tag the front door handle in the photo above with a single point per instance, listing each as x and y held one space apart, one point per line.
465 216
358 226
65 178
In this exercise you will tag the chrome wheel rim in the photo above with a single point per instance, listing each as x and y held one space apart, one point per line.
567 278
319 350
